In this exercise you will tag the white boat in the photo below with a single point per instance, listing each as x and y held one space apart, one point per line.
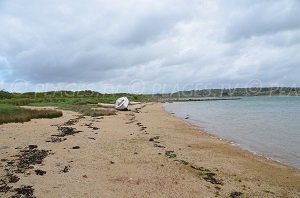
122 103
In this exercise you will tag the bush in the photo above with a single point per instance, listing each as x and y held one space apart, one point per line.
5 95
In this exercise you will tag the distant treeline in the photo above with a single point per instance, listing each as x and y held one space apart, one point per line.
53 95
254 91
61 94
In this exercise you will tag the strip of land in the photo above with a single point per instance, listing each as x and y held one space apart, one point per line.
144 152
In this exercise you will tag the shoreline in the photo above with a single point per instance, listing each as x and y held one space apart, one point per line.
144 152
231 142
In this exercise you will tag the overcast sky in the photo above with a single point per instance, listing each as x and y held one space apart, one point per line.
148 45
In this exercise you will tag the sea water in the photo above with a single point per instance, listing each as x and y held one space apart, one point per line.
265 125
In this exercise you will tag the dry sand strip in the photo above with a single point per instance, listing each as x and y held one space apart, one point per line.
145 152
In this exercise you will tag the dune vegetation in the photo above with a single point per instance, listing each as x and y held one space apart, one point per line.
83 102
10 113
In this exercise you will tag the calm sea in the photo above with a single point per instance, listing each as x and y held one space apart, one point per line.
268 126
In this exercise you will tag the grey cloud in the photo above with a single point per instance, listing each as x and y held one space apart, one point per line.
264 17
159 42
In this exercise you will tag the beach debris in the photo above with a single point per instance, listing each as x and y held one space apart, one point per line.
153 138
56 139
137 110
135 153
84 176
158 145
235 194
89 125
32 146
66 169
267 191
182 162
13 178
170 154
91 138
29 157
207 175
122 104
217 187
74 120
65 131
4 187
76 147
26 159
199 168
155 142
139 124
24 192
112 162
210 177
40 172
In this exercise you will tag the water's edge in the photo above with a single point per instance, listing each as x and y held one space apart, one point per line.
231 142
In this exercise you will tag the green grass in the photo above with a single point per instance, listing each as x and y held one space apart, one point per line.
9 113
82 102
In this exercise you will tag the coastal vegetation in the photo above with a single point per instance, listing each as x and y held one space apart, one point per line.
10 113
83 102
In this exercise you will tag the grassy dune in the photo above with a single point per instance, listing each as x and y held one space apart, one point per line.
9 113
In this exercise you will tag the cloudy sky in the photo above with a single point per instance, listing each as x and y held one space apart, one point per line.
147 45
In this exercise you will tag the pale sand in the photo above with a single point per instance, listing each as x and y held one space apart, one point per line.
138 169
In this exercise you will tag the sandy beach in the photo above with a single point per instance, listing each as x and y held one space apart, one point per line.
144 152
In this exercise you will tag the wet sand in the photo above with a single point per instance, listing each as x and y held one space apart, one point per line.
145 152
